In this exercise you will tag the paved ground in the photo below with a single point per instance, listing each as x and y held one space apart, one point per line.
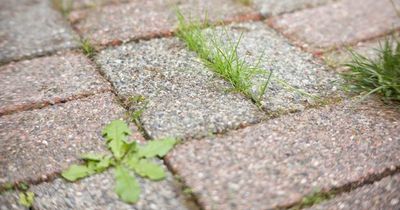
54 101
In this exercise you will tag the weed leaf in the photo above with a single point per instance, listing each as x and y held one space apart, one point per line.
116 134
26 199
126 187
92 156
146 168
75 172
156 148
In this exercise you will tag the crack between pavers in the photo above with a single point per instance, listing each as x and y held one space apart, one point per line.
346 188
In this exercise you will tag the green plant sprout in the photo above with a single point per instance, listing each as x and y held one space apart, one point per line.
26 199
88 48
127 158
381 75
223 59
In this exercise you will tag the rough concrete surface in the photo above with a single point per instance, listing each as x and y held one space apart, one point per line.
276 163
185 99
30 28
47 80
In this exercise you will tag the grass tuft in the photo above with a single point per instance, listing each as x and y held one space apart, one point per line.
223 58
88 48
376 76
64 6
246 2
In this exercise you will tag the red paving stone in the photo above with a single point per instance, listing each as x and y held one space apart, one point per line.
143 19
343 22
35 145
47 80
275 164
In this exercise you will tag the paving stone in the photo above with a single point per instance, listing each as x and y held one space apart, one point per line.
9 201
30 28
144 19
47 80
82 4
276 163
185 99
97 193
272 7
339 23
368 49
35 145
384 194
287 63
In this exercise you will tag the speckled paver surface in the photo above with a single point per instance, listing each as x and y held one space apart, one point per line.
145 19
234 153
36 144
260 44
48 80
384 194
185 99
32 27
276 163
273 7
97 193
339 23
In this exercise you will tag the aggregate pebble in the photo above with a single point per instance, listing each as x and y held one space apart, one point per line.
276 163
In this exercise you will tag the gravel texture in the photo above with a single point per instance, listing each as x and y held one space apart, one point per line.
36 144
32 27
287 63
384 194
343 22
9 201
185 99
273 7
97 193
278 162
47 80
112 24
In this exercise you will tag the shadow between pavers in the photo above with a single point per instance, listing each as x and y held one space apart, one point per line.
31 28
276 163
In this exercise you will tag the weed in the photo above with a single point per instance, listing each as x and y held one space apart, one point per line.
222 58
26 199
246 2
312 199
380 75
88 48
127 157
64 6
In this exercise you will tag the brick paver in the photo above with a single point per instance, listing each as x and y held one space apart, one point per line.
288 63
112 24
273 7
343 22
37 144
278 162
384 194
185 99
47 80
29 28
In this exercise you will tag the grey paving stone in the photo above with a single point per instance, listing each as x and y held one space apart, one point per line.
97 193
287 63
276 163
185 99
9 201
35 145
47 80
32 27
340 23
384 194
117 23
273 7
